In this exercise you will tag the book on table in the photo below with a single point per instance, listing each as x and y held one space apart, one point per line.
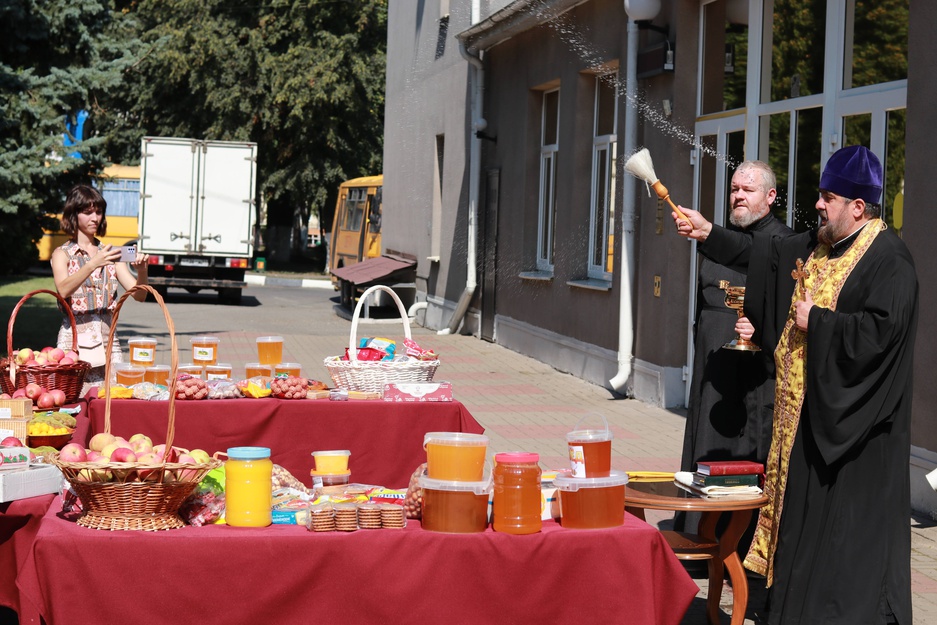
729 467
747 479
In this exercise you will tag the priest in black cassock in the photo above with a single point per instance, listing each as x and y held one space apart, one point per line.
841 303
731 392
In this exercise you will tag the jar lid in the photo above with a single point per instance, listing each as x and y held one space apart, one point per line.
517 456
564 480
455 438
479 488
332 452
248 453
588 436
269 339
204 339
140 339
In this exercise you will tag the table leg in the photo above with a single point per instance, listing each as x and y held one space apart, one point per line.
707 529
638 512
728 543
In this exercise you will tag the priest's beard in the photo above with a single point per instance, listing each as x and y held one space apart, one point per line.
742 218
835 229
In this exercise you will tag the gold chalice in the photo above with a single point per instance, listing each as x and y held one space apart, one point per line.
735 299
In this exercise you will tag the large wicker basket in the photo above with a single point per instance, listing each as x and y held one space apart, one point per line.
66 378
135 496
359 375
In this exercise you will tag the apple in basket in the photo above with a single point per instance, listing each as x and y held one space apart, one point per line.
23 356
73 452
123 454
101 440
95 475
187 475
148 475
200 455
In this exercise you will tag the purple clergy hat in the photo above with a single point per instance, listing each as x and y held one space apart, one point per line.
854 172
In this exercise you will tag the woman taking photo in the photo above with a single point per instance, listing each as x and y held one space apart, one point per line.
86 274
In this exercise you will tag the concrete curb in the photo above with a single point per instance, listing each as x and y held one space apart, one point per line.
262 280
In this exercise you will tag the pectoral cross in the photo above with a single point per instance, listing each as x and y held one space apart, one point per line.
799 274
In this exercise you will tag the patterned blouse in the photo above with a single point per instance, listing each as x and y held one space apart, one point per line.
92 303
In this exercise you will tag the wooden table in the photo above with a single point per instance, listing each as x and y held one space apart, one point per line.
641 496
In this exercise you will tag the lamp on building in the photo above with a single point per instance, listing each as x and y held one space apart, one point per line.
642 10
737 12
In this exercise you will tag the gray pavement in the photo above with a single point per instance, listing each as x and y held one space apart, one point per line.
522 403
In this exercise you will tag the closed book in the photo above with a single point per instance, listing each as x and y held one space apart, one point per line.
749 479
729 467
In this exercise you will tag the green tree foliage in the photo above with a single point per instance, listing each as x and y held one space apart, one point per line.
302 78
56 58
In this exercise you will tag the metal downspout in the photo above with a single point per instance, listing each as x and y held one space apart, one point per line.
625 317
478 123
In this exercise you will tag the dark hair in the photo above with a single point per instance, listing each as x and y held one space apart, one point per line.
80 198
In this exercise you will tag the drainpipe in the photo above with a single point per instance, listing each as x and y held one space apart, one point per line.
625 318
478 124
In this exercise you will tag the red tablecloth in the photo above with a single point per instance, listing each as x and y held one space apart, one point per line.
19 522
286 574
385 438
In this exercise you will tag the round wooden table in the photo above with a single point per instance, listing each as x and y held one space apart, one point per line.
641 496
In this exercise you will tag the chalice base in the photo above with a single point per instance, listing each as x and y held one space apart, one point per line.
741 345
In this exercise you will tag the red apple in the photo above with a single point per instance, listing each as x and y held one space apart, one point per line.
45 401
94 455
72 354
187 475
46 349
58 397
123 454
23 356
201 456
55 354
66 361
73 452
141 446
11 441
33 391
20 392
42 360
5 396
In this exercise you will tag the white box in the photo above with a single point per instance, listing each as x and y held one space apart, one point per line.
39 479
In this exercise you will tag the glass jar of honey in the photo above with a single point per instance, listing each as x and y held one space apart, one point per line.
516 504
248 490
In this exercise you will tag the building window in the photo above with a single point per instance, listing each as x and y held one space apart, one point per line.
549 146
602 207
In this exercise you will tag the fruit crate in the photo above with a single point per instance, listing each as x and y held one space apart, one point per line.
68 378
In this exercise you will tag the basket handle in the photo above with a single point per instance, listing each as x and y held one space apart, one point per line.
353 336
62 304
174 359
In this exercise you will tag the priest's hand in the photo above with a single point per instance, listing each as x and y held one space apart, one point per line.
744 328
802 311
695 226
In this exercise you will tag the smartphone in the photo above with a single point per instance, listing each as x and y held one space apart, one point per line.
128 253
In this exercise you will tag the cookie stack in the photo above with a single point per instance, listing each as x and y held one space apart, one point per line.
369 516
392 516
321 518
346 517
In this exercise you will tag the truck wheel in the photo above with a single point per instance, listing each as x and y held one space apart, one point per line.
230 296
193 289
161 289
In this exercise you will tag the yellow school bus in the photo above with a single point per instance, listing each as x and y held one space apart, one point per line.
120 186
356 228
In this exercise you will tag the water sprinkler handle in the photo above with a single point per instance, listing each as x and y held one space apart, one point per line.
664 194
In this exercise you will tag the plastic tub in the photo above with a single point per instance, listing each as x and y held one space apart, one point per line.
331 461
455 456
142 350
157 374
254 369
128 374
269 349
197 371
590 450
204 350
455 507
591 503
328 478
219 371
287 368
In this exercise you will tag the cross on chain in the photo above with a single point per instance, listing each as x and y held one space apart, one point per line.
799 274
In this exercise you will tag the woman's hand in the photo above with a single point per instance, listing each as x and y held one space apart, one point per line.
106 255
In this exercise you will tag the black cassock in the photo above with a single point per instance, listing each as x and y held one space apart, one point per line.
731 392
844 549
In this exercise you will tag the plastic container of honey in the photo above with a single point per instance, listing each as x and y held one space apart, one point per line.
128 374
254 369
455 456
188 368
455 507
157 374
287 368
248 494
142 350
204 350
591 503
326 478
590 450
218 371
269 349
516 501
331 461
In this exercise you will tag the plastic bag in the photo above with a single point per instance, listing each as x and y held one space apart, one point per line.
221 388
413 504
206 503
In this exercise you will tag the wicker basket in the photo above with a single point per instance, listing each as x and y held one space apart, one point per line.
359 375
66 378
135 496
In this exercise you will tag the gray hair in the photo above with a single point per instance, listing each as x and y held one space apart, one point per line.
768 179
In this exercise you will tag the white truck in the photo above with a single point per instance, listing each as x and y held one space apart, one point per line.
197 213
